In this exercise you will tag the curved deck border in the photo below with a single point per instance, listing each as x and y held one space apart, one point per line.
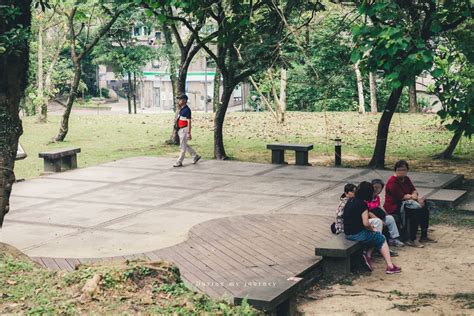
222 256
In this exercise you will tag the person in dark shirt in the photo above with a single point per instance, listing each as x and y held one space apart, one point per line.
399 189
183 124
358 228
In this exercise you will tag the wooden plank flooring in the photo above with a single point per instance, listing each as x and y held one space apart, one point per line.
221 256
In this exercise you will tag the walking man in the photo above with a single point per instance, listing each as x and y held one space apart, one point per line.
184 131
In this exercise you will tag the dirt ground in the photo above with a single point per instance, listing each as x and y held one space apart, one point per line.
435 280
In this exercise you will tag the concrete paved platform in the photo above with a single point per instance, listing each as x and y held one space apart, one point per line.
142 204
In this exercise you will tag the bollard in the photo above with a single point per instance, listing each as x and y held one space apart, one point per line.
337 152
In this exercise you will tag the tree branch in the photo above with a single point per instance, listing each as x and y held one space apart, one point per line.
101 33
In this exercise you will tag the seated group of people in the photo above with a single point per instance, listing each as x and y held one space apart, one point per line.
361 218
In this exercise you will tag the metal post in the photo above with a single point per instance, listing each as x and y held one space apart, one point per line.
337 151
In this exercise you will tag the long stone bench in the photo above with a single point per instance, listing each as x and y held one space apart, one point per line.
301 153
60 159
275 297
337 253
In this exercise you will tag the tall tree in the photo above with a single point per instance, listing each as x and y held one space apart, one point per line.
41 110
269 87
15 20
186 42
398 42
360 88
454 84
412 97
82 17
248 34
216 95
48 43
120 51
373 93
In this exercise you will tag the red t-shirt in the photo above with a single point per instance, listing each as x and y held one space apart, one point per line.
394 192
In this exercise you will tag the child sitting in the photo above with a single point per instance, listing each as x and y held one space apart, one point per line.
338 226
375 211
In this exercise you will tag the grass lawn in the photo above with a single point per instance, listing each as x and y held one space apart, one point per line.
102 138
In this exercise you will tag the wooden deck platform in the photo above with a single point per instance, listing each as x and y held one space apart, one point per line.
223 256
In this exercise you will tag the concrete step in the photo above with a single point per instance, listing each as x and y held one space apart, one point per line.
456 183
467 202
447 198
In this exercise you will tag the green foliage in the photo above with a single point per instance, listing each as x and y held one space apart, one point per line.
324 80
321 76
401 49
466 298
119 49
454 81
13 35
137 271
175 289
22 283
28 289
78 276
104 92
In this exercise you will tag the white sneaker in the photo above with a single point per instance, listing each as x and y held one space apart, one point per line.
178 164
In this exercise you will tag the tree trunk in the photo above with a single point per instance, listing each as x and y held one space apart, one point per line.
276 98
360 88
412 94
219 151
49 73
172 61
129 93
373 94
378 157
134 93
40 99
181 89
76 59
12 86
217 88
283 84
174 138
264 99
448 152
63 130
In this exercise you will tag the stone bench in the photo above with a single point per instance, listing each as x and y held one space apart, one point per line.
60 159
337 253
301 153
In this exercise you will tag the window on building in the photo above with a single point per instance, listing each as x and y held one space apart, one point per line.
210 63
136 31
158 36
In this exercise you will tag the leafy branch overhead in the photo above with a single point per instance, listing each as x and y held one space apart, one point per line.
397 41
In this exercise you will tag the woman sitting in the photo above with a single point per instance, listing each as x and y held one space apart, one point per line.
358 228
402 199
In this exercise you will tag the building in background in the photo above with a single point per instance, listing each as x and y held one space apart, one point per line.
154 87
